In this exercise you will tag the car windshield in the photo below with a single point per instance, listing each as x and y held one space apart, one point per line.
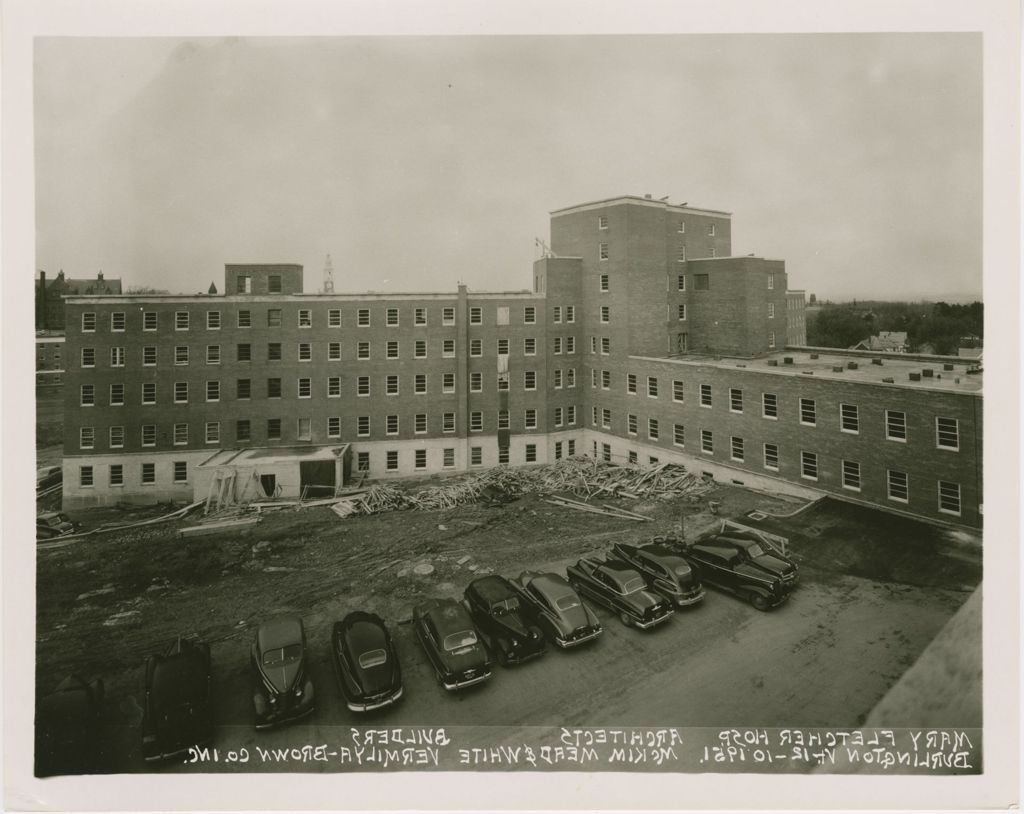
510 605
631 586
282 655
755 550
372 658
567 602
456 641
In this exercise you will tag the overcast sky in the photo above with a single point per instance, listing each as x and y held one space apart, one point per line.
420 162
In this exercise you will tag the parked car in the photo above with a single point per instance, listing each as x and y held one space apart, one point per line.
283 690
67 728
508 633
621 589
553 605
178 712
724 567
667 573
48 477
450 640
54 524
754 550
365 662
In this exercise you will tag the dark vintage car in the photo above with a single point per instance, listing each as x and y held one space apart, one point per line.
620 588
499 618
283 690
446 631
67 728
553 605
177 712
667 573
54 524
754 550
47 477
365 662
724 567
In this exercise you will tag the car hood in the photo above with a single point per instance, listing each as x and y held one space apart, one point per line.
513 625
282 677
773 564
754 570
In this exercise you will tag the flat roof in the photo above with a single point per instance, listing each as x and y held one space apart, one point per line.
894 366
87 299
639 200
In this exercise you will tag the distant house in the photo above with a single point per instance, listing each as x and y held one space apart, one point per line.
885 341
49 293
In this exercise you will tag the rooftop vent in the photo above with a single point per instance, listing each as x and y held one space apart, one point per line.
837 368
787 360
807 372
947 367
814 356
852 365
773 363
648 197
889 380
914 377
876 362
927 372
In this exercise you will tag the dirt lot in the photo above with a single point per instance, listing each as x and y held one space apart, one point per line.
874 593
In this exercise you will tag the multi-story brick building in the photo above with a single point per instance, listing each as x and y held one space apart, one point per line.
642 340
50 296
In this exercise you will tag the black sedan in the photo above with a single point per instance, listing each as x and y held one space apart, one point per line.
177 712
365 662
666 572
283 690
753 550
621 589
450 641
726 569
494 605
67 728
557 609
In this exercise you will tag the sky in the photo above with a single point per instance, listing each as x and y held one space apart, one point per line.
422 162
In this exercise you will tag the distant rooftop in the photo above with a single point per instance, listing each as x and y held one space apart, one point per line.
642 200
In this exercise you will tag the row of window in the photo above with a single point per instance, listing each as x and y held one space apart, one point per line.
147 474
182 320
603 251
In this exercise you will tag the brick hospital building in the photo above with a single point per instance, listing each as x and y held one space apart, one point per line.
642 340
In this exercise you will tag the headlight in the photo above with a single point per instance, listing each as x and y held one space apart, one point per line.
298 692
273 699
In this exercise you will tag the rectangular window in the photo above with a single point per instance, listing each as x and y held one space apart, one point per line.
363 386
333 387
707 442
571 447
243 388
334 426
420 423
448 422
420 349
896 425
448 316
602 221
771 339
305 352
363 461
652 429
273 429
681 254
681 282
736 448
631 424
149 473
678 393
448 457
631 383
558 344
149 320
212 432
333 351
558 378
808 412
652 387
305 318
363 318
391 349
701 282
531 453
631 456
898 486
771 281
447 382
245 319
556 314
181 320
213 391
117 321
86 438
529 379
476 315
274 352
87 395
181 471
89 357
604 283
448 348
419 316
181 355
606 418
949 498
570 344
213 354
771 310
117 474
149 435
116 395
213 320
769 405
180 434
88 323
602 251
851 475
771 457
305 388
363 426
243 352
273 317
735 400
334 318
274 283
570 377
606 379
304 429
273 388
809 465
149 392
502 347
947 433
606 314
391 317
681 312
502 315
117 357
502 455
849 418
679 435
362 350
476 347
529 346
391 425
476 421
391 385
570 417
705 395
476 456
420 459
559 416
593 377
420 383
606 345
476 382
530 315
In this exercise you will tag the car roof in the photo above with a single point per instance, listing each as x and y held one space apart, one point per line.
364 631
448 616
738 537
721 551
618 570
279 632
551 585
492 588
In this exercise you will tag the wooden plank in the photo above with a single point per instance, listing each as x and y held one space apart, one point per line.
217 527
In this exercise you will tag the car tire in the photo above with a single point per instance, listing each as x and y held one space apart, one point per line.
624 618
759 602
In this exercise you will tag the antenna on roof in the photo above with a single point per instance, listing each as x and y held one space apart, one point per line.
544 250
328 276
663 199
